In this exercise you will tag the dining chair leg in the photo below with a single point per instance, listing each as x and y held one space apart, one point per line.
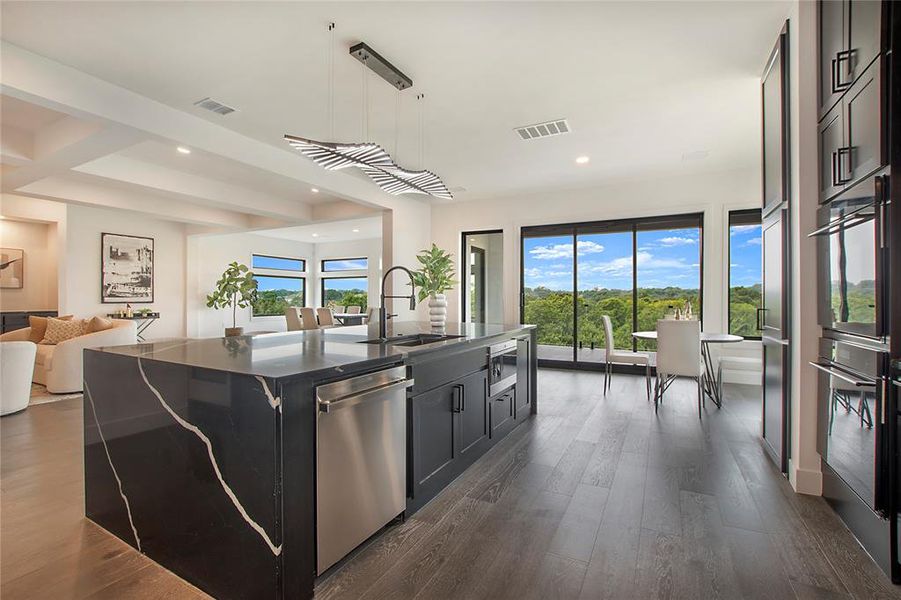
606 375
700 397
656 393
647 380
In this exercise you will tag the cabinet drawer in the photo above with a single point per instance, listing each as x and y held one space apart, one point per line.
430 374
502 414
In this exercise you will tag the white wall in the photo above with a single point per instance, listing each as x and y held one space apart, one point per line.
38 242
713 194
406 231
82 277
371 249
208 256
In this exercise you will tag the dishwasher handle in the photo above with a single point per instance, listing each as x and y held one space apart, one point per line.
348 401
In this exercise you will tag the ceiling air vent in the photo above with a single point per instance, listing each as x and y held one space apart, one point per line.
540 130
216 107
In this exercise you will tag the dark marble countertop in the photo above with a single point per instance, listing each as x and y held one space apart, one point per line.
293 353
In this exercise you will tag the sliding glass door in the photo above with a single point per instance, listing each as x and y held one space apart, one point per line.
633 271
604 265
547 292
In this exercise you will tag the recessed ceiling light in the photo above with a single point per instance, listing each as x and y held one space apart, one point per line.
183 150
314 190
315 235
356 231
582 160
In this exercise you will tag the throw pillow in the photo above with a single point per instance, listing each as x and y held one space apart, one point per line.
59 330
99 324
39 327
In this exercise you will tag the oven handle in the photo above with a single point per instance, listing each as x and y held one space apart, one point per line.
843 376
850 220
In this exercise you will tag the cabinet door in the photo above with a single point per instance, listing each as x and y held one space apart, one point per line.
473 416
833 56
523 398
434 448
833 154
863 116
864 34
502 421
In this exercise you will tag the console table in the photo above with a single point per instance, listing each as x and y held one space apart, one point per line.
143 321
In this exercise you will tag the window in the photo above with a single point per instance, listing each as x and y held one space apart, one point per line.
745 273
345 291
276 289
345 264
632 270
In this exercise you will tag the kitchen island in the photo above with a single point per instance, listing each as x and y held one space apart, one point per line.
202 453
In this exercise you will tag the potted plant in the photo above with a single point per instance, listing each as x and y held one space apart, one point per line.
433 278
235 288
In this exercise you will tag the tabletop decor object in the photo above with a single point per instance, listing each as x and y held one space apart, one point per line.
433 279
236 288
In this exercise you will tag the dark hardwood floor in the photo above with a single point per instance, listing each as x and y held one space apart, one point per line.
594 498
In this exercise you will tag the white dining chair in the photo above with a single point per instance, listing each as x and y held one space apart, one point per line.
354 310
369 313
678 355
613 356
308 318
292 316
340 309
325 317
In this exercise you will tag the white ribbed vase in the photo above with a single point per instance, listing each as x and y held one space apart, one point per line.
438 311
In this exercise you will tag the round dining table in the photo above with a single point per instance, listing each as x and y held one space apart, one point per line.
712 384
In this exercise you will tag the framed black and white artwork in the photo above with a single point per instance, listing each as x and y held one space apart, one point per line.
12 268
126 269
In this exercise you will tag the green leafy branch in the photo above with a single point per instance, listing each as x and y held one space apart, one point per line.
236 288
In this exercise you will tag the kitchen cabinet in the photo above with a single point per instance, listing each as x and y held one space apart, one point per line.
522 398
851 144
502 414
450 430
472 413
850 38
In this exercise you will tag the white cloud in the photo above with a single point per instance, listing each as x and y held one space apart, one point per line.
739 229
754 242
565 250
669 242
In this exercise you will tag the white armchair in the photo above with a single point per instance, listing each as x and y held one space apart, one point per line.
60 366
16 365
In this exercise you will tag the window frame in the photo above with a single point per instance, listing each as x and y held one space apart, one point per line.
303 263
740 213
322 262
634 225
322 281
278 273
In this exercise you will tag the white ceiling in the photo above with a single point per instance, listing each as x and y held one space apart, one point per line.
337 231
26 116
641 83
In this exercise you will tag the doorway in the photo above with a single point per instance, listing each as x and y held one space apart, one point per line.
482 276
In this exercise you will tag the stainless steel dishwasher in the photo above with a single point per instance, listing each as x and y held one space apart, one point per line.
361 460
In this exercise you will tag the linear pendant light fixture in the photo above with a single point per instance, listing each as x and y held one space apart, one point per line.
369 157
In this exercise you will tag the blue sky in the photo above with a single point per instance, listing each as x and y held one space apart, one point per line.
265 283
349 283
669 257
745 267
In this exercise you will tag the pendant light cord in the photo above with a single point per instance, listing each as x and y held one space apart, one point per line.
421 98
331 81
396 123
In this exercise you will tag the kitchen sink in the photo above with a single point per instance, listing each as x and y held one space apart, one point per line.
419 339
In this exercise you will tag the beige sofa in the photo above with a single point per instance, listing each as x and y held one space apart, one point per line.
59 367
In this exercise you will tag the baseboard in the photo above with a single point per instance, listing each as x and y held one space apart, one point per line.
806 481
